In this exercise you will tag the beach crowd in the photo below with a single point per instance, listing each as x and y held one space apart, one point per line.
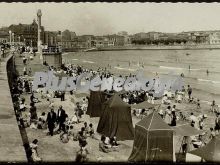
58 123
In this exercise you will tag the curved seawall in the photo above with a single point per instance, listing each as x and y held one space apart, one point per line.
11 144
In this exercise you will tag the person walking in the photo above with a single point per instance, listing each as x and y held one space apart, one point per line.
61 118
51 119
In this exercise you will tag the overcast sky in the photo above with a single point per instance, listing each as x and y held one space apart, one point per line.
109 18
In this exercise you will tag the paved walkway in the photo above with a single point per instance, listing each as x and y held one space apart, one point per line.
11 145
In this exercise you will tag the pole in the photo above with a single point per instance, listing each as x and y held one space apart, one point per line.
61 46
13 38
10 37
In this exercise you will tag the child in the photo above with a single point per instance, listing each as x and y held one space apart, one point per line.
91 130
198 104
33 147
201 123
212 135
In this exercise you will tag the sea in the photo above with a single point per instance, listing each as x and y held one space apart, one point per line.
192 63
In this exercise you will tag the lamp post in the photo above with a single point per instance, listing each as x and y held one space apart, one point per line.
13 38
24 42
10 37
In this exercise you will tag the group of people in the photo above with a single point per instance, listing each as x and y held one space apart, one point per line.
61 123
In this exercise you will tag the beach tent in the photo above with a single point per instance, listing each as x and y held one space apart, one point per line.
153 141
145 104
184 133
116 119
96 99
187 130
210 152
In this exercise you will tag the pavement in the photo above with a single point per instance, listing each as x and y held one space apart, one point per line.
11 144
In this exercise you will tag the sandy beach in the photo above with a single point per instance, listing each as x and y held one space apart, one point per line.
51 149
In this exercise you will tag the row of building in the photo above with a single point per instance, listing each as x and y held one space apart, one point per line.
191 37
27 34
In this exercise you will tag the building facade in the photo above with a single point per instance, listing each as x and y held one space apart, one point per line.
50 38
214 38
26 33
4 37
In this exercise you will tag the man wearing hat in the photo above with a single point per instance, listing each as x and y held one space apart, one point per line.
61 118
51 119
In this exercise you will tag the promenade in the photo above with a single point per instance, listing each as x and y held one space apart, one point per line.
11 145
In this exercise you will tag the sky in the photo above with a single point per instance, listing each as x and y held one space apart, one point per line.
110 18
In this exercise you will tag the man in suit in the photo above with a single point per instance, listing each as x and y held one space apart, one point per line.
51 119
61 118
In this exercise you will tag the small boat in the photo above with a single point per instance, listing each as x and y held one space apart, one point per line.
187 54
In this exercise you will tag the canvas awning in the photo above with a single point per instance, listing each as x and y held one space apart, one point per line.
187 130
145 104
210 152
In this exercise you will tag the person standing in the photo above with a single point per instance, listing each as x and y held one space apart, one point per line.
198 104
193 119
201 123
167 117
174 108
82 153
189 90
213 105
25 71
217 123
212 133
62 96
78 111
61 118
51 119
33 112
173 119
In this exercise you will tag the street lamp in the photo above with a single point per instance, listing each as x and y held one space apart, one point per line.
24 42
10 37
13 38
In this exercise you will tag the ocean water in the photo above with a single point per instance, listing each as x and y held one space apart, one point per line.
205 86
